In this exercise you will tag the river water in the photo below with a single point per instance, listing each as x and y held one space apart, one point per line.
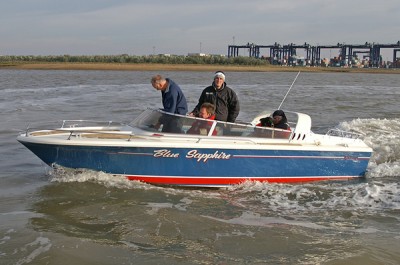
82 217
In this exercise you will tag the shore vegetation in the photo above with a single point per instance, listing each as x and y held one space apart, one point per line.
162 63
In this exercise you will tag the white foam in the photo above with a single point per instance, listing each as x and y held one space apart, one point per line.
287 199
42 245
254 219
61 174
383 136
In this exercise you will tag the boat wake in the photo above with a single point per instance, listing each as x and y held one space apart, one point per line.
383 136
67 175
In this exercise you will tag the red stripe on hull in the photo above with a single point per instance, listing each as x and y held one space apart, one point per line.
226 181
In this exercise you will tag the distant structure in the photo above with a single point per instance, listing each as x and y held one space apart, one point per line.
195 54
348 54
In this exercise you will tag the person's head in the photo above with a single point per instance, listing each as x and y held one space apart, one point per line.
206 110
158 82
279 117
219 79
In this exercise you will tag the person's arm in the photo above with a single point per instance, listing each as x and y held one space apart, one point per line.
233 108
170 100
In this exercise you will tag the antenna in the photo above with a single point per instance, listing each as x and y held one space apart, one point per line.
289 90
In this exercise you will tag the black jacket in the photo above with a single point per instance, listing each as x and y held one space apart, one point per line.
225 101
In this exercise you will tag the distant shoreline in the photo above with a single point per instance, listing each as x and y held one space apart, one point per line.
189 67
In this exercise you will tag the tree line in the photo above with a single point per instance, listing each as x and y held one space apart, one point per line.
124 58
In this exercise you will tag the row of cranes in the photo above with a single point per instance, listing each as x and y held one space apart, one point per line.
348 53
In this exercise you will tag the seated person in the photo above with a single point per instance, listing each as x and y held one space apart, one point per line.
207 111
278 121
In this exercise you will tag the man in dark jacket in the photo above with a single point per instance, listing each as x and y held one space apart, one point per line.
173 100
222 97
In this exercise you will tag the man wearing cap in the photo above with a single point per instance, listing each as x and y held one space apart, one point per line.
222 97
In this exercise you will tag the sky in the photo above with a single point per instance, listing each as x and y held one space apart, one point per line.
144 27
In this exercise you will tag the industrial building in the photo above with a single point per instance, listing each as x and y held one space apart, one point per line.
349 54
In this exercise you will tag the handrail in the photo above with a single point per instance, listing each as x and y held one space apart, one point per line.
79 122
105 132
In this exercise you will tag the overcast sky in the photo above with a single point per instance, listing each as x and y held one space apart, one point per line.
142 27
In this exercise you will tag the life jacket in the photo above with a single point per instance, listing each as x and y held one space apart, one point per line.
202 127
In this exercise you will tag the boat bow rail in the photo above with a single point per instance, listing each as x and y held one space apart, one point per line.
74 126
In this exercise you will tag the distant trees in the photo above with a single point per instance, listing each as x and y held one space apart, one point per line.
133 59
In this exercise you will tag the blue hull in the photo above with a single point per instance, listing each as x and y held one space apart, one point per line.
206 167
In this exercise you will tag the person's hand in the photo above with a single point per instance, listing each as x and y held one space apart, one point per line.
155 126
191 114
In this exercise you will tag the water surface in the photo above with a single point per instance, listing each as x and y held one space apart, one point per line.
83 217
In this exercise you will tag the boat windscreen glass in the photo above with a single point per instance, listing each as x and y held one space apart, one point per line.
157 121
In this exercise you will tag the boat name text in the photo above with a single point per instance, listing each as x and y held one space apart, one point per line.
192 154
165 153
204 156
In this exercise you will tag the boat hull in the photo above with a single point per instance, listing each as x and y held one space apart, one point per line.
212 167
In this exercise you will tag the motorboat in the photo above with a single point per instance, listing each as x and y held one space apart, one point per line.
157 148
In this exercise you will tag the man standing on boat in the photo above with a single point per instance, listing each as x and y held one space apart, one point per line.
173 101
222 97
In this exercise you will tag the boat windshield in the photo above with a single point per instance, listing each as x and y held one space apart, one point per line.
157 121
